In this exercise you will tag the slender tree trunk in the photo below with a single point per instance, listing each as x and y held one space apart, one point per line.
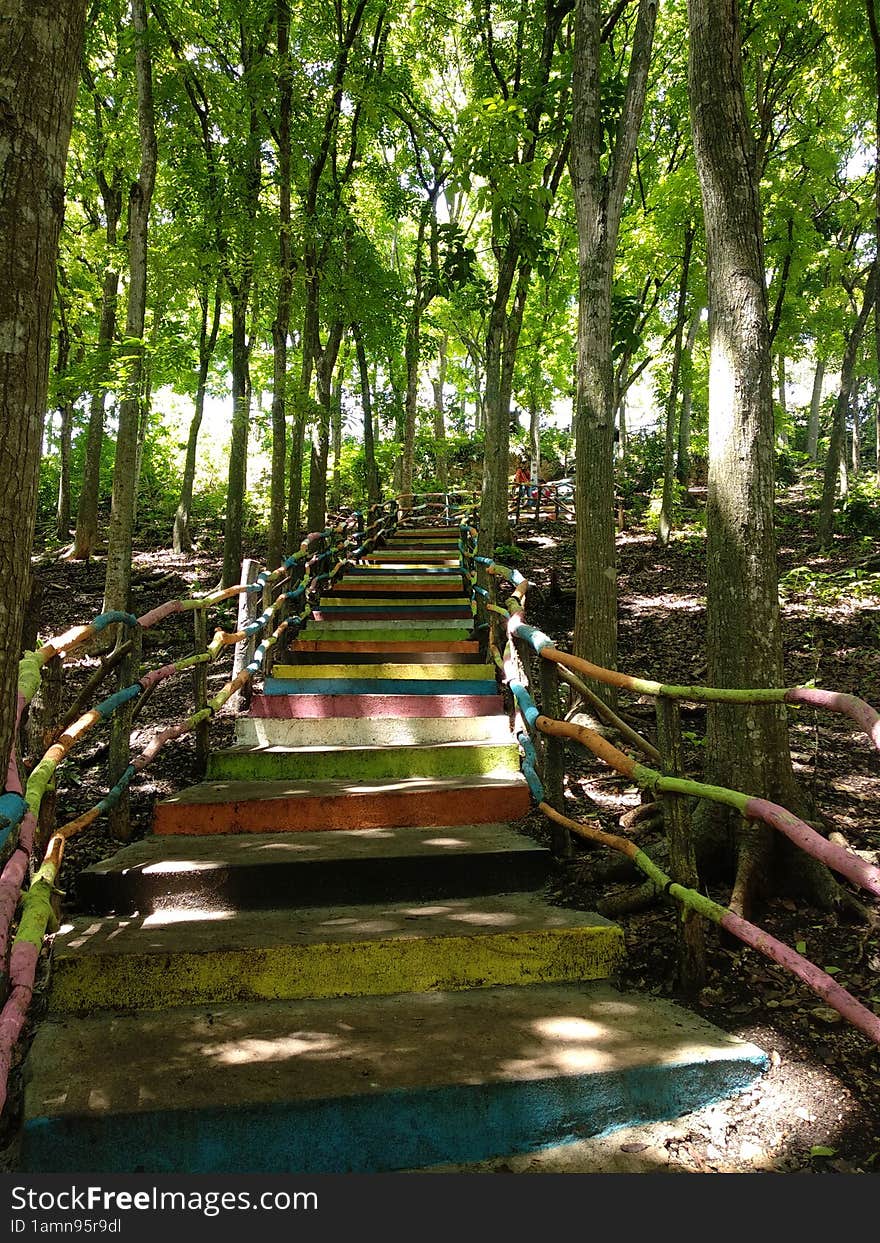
599 194
182 535
40 46
439 384
370 472
669 478
496 420
238 447
683 456
856 442
118 576
65 434
874 26
321 431
783 402
815 410
836 459
86 536
281 326
336 428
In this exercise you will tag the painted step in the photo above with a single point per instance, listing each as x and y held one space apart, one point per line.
376 686
297 806
153 961
415 614
384 653
364 763
374 707
409 586
425 648
438 627
388 669
397 601
369 731
434 572
319 1087
317 869
412 561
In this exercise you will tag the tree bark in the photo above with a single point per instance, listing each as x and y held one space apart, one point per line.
182 535
836 459
683 456
371 474
669 479
438 384
40 48
599 197
118 575
238 447
281 326
874 26
815 410
747 747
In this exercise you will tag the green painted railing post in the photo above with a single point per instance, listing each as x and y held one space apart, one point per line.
553 775
200 690
691 944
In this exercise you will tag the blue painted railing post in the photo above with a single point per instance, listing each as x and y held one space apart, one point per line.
553 774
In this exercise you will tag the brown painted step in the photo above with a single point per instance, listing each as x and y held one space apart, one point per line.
296 806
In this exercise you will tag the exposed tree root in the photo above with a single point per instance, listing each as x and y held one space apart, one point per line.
628 901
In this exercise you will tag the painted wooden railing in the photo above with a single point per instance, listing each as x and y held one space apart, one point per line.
542 732
296 584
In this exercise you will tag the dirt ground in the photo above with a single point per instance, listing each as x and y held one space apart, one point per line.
818 1107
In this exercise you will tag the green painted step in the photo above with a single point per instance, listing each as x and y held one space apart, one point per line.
155 961
400 672
445 759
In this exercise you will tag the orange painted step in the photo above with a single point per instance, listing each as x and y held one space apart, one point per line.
312 806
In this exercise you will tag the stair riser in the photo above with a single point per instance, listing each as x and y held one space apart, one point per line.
388 1131
427 650
398 654
389 809
395 601
376 686
414 614
405 587
369 731
378 707
335 969
386 669
315 883
357 764
436 628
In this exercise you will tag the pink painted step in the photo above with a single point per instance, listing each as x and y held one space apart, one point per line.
322 706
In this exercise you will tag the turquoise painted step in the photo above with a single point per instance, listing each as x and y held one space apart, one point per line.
375 686
366 1084
448 759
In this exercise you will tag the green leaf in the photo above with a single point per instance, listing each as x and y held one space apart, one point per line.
801 947
818 1150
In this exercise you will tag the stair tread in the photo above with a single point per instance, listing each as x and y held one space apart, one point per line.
260 1053
379 748
175 932
244 791
171 854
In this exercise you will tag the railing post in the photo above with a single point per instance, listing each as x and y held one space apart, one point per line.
248 611
691 945
200 690
554 759
120 737
49 715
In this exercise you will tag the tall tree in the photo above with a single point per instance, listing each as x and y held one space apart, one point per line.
40 48
599 187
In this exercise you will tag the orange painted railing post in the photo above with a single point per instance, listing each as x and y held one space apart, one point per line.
691 944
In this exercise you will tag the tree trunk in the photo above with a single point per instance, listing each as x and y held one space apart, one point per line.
747 747
438 385
40 48
599 194
669 479
238 447
496 419
281 326
874 26
683 456
856 442
371 474
65 433
783 402
836 459
815 409
118 576
336 428
321 430
182 536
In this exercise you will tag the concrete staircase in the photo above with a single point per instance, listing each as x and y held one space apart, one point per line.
334 955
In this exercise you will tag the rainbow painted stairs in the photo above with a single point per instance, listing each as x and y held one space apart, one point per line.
334 955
